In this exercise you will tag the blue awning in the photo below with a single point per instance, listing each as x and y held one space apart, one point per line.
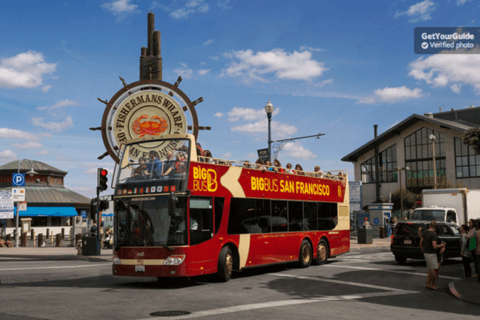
107 214
48 212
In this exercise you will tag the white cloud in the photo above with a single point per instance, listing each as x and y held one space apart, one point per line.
440 70
307 48
203 72
248 114
214 58
218 114
28 145
418 12
46 88
297 151
392 95
324 82
8 155
25 70
19 134
279 130
184 71
208 42
224 4
283 65
191 7
462 2
120 7
59 104
42 152
53 126
227 155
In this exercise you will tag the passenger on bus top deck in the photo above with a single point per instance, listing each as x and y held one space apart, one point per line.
154 166
180 165
278 166
268 166
141 170
169 165
317 173
208 156
246 164
259 164
340 176
299 170
202 153
289 169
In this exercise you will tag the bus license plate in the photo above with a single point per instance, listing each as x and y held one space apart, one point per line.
406 241
139 268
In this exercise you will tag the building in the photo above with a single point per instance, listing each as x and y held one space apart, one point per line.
409 144
49 204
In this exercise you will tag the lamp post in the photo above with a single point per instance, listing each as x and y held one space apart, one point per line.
401 193
31 173
269 111
432 137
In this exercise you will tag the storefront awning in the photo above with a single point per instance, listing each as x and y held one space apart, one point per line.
107 214
48 212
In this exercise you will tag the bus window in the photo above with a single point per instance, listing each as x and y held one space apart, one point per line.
327 216
279 216
242 217
263 215
201 220
219 202
310 216
295 216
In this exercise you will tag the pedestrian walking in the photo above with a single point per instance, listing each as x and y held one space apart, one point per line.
465 253
471 237
477 252
429 245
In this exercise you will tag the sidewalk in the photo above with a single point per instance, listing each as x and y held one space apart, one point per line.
51 253
377 243
466 289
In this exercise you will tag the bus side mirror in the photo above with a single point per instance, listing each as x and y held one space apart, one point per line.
172 204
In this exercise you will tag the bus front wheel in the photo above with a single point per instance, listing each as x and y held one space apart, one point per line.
306 253
322 252
225 265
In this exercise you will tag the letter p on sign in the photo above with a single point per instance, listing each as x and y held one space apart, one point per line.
18 179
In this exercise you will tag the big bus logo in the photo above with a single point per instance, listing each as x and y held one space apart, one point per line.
339 191
204 179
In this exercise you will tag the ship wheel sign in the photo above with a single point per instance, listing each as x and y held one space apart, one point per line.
149 107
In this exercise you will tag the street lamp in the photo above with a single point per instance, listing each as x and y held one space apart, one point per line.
269 111
401 193
432 137
31 173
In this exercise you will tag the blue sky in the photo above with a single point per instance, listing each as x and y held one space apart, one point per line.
328 67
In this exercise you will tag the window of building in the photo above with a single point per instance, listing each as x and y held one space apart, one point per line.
56 221
467 162
387 160
419 158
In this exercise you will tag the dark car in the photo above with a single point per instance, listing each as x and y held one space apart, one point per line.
406 239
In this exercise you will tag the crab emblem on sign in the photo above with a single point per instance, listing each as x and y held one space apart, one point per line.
152 128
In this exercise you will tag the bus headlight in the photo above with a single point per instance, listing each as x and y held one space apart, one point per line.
116 260
174 260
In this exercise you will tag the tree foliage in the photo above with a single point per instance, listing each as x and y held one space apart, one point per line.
472 138
450 185
408 197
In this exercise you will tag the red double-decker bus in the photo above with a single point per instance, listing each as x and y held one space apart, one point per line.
177 215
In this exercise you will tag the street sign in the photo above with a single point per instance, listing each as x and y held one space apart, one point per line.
22 206
6 205
18 194
355 195
18 179
263 154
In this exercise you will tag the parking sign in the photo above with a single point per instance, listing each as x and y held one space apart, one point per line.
18 179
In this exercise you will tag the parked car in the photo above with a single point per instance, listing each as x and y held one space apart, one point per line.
406 239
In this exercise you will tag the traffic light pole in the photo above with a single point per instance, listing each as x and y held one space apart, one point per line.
98 248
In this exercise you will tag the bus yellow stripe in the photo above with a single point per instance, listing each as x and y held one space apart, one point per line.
243 249
230 181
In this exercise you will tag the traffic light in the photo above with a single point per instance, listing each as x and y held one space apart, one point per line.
93 209
104 205
102 179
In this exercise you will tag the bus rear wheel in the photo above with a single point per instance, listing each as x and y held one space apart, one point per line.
225 265
306 254
322 252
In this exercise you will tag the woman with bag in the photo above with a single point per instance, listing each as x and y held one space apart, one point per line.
465 253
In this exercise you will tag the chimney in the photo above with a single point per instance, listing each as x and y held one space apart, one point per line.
428 115
440 109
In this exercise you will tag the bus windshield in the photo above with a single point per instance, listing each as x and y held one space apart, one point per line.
146 221
158 166
438 215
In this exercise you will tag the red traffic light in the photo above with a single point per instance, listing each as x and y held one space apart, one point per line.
104 172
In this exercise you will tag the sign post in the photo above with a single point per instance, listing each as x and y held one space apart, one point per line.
18 195
263 154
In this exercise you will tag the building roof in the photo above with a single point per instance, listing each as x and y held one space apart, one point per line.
40 167
461 126
54 195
